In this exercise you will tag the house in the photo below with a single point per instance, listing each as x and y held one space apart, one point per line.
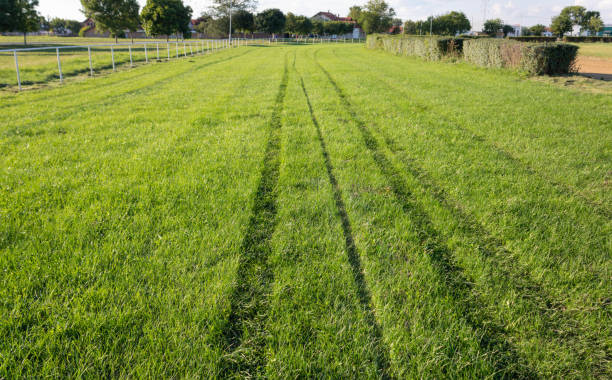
328 16
547 32
325 17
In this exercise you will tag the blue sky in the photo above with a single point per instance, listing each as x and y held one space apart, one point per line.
523 12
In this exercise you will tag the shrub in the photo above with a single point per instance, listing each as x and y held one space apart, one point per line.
534 39
587 39
427 47
537 59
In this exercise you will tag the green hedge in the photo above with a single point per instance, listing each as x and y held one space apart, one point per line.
587 39
432 48
534 39
533 58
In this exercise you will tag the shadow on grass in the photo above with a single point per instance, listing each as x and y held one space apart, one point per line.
243 335
508 363
365 298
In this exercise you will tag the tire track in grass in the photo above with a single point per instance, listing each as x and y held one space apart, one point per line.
365 298
66 112
562 188
244 335
494 251
508 363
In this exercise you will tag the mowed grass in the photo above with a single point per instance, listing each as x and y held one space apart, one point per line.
305 211
41 67
595 49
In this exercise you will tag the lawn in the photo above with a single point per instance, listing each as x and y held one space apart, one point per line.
306 211
595 49
41 67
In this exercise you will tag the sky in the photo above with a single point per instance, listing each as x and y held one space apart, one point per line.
516 12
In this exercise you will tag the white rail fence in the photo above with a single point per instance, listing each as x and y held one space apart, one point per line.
157 51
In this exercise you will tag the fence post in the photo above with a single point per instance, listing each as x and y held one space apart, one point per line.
191 48
157 45
146 53
113 58
59 65
17 69
168 50
131 62
90 65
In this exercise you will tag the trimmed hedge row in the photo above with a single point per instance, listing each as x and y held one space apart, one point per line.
534 39
537 59
587 39
533 58
426 47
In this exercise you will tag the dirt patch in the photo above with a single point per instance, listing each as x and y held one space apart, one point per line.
596 68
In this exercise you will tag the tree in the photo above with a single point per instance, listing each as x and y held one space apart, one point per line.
244 21
355 12
318 27
451 24
410 27
20 16
537 30
226 8
270 21
576 14
376 17
595 24
561 24
208 25
113 16
507 29
491 27
303 26
290 23
525 31
62 26
166 17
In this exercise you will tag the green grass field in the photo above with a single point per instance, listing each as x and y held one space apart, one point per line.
599 50
306 211
40 67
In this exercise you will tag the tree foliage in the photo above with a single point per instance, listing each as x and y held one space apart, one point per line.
19 16
561 24
113 16
491 27
577 15
222 8
270 21
61 26
448 24
376 17
166 17
298 25
243 21
537 30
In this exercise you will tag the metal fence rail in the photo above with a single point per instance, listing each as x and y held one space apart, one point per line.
172 50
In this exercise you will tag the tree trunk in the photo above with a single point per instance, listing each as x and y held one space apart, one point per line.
116 38
25 41
132 35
